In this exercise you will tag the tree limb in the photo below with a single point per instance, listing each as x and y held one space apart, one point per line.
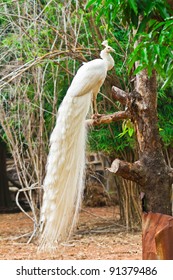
130 171
120 95
106 119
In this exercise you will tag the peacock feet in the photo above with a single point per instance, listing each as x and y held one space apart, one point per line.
96 116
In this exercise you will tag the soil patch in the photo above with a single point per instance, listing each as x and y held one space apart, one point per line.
99 236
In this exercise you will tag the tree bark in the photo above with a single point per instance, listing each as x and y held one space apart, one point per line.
157 186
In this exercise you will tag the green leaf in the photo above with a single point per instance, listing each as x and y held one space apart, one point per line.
133 5
139 69
162 10
168 24
134 56
156 48
144 53
167 81
158 25
149 6
90 3
130 131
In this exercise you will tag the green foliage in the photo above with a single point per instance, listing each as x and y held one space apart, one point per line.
165 111
109 139
130 10
153 24
155 50
114 20
127 128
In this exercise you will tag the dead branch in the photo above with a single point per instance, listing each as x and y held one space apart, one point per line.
107 119
130 171
36 223
13 75
120 95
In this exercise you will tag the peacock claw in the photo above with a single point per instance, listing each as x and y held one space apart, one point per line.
96 116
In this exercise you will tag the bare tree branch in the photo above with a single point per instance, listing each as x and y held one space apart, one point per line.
20 70
120 95
106 119
130 171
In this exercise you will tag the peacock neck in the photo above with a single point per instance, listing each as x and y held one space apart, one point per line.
108 59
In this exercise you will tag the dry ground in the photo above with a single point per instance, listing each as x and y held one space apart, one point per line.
99 236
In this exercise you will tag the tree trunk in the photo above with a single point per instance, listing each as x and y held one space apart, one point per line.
157 185
5 199
151 172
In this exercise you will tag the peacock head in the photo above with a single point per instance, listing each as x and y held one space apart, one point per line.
105 55
107 49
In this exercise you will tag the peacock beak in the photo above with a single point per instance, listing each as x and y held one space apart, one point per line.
112 50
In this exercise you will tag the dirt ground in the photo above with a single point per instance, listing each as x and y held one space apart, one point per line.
99 236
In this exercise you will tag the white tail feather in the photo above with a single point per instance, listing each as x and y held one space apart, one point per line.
63 184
